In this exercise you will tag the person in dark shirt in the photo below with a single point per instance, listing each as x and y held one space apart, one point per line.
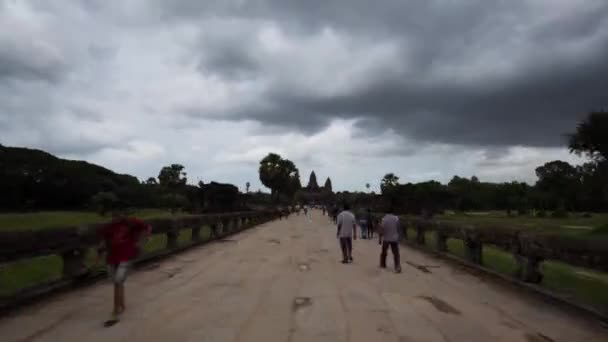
370 224
120 241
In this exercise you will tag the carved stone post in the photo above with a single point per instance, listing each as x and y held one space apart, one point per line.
225 226
473 249
420 237
213 233
73 263
172 239
441 240
196 234
528 268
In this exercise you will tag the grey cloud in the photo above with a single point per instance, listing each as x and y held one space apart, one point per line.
25 60
536 103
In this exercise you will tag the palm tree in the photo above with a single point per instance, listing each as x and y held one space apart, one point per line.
247 185
389 181
367 186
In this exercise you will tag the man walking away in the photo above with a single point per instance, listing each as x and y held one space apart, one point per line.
121 240
334 214
390 238
370 224
347 231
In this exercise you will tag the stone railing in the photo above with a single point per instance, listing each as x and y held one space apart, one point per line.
73 243
529 249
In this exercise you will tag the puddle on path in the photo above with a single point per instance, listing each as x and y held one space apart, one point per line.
538 337
440 305
300 302
423 268
304 267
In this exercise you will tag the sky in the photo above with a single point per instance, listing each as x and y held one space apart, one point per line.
352 89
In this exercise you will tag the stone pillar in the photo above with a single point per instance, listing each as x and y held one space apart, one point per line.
172 239
73 263
528 269
226 226
213 230
473 250
420 237
403 228
196 234
441 240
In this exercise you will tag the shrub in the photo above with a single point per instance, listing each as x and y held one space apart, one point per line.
104 202
559 213
600 230
541 214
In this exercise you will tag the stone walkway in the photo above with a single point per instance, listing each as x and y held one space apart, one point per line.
283 282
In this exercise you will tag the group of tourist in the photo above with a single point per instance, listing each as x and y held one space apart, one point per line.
388 235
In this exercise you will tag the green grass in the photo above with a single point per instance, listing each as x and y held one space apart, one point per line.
580 284
54 219
29 272
574 224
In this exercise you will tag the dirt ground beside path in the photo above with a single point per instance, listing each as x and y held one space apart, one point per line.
283 281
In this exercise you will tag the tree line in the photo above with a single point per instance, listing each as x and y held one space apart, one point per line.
36 180
560 186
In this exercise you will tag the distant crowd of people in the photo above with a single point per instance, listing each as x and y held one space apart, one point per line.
386 229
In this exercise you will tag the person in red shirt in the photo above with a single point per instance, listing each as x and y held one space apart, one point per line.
121 240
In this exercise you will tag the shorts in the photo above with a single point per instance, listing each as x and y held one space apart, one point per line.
118 273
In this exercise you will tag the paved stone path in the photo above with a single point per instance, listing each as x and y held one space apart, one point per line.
283 282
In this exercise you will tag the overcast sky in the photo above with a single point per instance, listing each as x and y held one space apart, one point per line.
350 88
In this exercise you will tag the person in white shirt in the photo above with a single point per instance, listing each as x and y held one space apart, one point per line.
347 231
390 238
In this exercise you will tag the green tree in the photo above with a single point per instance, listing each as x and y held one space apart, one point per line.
389 181
104 202
175 202
172 176
247 185
151 181
591 137
367 186
280 175
561 180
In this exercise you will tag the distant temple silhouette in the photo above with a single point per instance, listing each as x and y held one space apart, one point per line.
313 193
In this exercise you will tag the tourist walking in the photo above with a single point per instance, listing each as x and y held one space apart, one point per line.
122 239
347 231
370 224
390 238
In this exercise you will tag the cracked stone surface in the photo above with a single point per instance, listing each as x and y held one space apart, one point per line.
277 295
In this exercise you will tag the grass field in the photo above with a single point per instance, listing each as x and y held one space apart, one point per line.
575 223
54 219
26 273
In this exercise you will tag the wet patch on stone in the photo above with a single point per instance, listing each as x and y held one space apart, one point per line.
423 268
187 260
225 285
171 272
538 337
150 267
509 324
275 241
384 329
441 305
300 302
304 267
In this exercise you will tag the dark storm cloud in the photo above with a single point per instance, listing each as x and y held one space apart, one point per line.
17 62
549 82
